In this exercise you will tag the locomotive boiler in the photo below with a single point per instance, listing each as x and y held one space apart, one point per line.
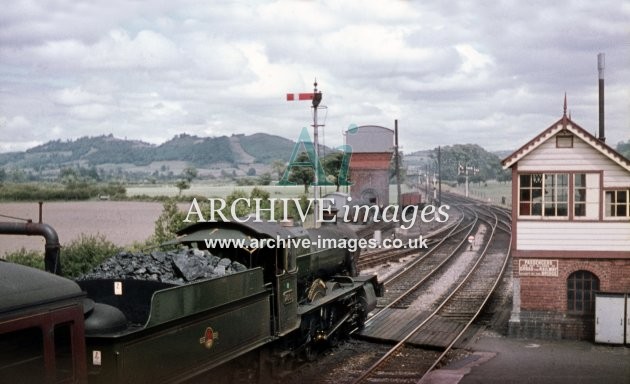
284 301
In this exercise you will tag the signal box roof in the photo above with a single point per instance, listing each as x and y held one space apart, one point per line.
566 125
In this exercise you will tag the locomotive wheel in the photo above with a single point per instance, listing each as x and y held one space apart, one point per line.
331 318
362 313
310 351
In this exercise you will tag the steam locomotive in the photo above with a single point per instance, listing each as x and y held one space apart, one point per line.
289 300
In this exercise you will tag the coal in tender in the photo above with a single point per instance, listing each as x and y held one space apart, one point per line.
174 267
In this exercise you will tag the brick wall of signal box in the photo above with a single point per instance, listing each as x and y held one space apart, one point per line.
540 293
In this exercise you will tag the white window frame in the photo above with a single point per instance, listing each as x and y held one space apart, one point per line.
608 204
545 198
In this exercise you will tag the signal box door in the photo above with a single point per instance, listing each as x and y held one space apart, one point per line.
610 318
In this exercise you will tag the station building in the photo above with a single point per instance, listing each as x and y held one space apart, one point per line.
571 230
372 152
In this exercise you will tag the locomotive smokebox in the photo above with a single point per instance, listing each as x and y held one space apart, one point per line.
329 216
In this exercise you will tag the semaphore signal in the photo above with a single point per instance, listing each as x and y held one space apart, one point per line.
316 97
300 96
465 170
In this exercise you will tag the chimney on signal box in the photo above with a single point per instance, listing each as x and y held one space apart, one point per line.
600 69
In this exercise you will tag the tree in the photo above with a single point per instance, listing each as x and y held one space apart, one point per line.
264 179
189 173
332 166
481 163
241 209
278 167
402 170
265 204
303 174
68 175
181 185
170 221
304 207
624 148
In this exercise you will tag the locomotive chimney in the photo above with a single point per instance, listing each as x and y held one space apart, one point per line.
329 217
600 69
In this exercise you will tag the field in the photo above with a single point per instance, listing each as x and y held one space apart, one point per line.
121 222
126 222
207 190
491 192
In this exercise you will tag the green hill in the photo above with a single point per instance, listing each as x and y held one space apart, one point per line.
107 149
113 158
483 165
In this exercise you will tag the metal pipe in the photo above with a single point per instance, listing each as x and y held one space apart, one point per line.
52 261
600 70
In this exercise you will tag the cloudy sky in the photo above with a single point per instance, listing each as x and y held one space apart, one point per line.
450 72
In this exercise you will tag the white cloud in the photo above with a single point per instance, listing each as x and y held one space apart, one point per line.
91 111
147 49
77 96
450 72
15 134
474 62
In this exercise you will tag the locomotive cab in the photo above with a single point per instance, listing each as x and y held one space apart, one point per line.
41 327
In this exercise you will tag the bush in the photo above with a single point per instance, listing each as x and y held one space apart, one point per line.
71 191
33 259
84 253
77 257
170 221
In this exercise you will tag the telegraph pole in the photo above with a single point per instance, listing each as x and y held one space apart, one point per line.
397 165
440 175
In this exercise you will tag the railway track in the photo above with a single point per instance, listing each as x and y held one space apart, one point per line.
379 256
453 315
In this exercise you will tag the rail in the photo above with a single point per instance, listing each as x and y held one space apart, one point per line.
448 306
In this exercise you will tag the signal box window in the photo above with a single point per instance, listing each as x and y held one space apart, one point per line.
617 203
579 194
556 194
545 195
564 141
530 195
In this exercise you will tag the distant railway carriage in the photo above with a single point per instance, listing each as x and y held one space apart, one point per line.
411 199
288 299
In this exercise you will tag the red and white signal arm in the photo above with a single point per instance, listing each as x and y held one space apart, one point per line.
471 239
300 96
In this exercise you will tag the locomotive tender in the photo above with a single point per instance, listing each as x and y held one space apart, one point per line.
287 302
